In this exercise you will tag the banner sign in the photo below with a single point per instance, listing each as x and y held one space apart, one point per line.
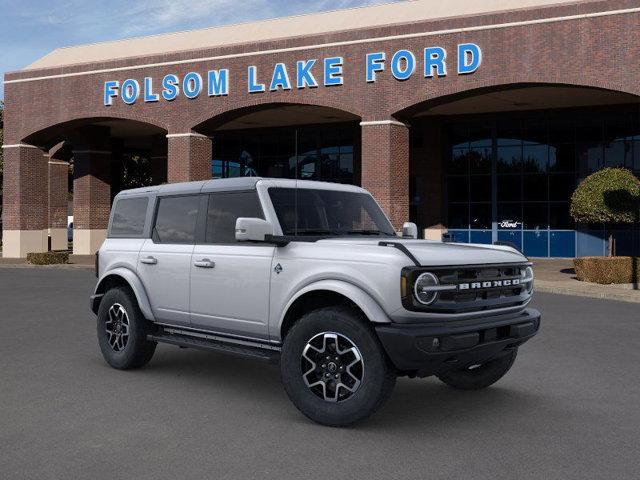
309 73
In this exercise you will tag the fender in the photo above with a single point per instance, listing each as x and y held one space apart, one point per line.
363 300
136 285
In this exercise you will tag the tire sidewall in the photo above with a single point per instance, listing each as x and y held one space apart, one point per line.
371 392
137 335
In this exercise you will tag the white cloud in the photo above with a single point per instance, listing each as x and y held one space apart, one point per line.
122 18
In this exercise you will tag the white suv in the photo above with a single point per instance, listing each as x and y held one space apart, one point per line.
313 276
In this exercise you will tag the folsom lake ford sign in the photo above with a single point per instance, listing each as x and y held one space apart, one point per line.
308 73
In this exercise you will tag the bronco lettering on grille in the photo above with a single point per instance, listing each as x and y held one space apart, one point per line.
510 282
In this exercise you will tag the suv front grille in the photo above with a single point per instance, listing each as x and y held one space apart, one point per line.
472 288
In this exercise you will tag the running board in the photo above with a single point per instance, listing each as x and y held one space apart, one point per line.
216 344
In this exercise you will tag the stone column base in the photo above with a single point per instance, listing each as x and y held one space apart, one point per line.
87 242
58 238
17 243
434 233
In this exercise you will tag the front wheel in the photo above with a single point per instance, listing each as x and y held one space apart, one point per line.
333 367
481 376
122 331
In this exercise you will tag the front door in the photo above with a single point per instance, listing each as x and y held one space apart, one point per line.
229 279
164 263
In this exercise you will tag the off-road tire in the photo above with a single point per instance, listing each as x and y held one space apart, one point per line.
137 351
378 377
482 376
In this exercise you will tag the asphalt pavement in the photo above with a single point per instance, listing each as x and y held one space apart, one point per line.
568 409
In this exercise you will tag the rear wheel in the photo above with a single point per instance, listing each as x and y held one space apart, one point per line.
481 376
333 367
122 331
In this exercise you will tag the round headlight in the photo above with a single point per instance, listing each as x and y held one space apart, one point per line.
422 288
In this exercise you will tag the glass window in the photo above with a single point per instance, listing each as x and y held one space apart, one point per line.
480 160
223 211
176 219
480 216
535 158
618 154
509 159
559 217
128 217
535 216
459 161
509 187
458 216
562 158
510 216
589 157
481 188
535 188
458 189
561 186
328 212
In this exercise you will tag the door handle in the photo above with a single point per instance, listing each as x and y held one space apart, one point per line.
204 263
149 260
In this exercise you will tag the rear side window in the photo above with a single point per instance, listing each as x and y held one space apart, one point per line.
224 209
176 219
128 217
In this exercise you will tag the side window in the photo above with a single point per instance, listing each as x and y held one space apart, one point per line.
176 219
224 209
128 217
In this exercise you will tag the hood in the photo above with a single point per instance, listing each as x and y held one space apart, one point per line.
431 253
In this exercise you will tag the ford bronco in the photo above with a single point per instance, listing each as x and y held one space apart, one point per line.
312 276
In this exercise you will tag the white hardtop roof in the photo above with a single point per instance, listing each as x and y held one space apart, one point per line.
286 27
231 184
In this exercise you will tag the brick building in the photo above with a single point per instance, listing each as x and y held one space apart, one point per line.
474 118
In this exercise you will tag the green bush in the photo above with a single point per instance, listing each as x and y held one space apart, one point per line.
611 195
606 270
48 258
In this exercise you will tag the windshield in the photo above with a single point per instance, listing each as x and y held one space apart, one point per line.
312 212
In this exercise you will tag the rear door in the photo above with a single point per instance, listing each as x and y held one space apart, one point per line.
229 279
164 263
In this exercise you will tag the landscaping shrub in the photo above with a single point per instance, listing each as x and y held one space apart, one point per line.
606 270
611 195
48 258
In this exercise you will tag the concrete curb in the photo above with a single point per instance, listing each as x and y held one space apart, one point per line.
587 290
64 266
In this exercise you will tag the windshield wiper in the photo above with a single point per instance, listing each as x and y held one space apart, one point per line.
318 231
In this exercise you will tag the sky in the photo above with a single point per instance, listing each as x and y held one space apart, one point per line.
29 29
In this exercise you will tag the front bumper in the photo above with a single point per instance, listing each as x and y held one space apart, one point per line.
423 350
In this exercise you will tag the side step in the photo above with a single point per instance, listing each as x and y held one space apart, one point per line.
219 345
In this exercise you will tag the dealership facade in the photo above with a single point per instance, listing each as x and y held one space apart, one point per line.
472 119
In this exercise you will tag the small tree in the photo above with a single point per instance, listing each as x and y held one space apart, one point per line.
611 195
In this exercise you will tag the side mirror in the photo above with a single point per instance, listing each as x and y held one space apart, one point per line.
252 229
409 230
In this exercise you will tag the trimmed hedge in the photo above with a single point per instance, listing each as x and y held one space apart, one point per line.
611 195
48 258
606 270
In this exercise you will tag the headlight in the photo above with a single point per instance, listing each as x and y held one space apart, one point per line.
424 290
527 278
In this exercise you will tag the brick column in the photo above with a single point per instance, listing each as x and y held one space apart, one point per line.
91 188
385 167
25 201
58 191
159 159
189 157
